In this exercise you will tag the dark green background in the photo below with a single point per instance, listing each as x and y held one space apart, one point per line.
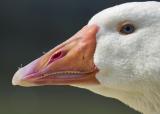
30 27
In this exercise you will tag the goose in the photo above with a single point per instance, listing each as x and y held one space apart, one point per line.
117 55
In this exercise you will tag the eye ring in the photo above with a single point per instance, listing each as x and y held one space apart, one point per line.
126 28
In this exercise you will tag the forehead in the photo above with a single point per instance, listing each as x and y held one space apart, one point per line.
127 11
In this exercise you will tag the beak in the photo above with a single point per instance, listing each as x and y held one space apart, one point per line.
69 63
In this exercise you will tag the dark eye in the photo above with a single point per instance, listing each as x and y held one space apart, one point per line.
126 28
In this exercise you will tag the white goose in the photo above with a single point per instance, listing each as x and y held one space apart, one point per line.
116 55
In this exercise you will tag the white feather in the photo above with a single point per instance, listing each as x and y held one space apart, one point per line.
129 64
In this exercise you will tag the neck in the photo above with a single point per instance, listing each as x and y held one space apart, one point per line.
147 103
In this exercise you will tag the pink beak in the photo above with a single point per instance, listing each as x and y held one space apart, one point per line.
69 63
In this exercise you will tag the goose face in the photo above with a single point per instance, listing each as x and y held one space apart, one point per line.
127 57
123 56
118 52
121 46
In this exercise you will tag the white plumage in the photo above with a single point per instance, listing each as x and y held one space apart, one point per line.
132 61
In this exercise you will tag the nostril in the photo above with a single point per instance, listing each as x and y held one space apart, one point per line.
56 56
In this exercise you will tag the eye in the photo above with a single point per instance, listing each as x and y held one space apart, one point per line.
126 28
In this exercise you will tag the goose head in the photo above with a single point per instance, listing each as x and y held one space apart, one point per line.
116 55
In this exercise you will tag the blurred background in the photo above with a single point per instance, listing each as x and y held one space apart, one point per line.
27 29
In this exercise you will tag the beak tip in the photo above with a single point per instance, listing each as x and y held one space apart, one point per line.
18 79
